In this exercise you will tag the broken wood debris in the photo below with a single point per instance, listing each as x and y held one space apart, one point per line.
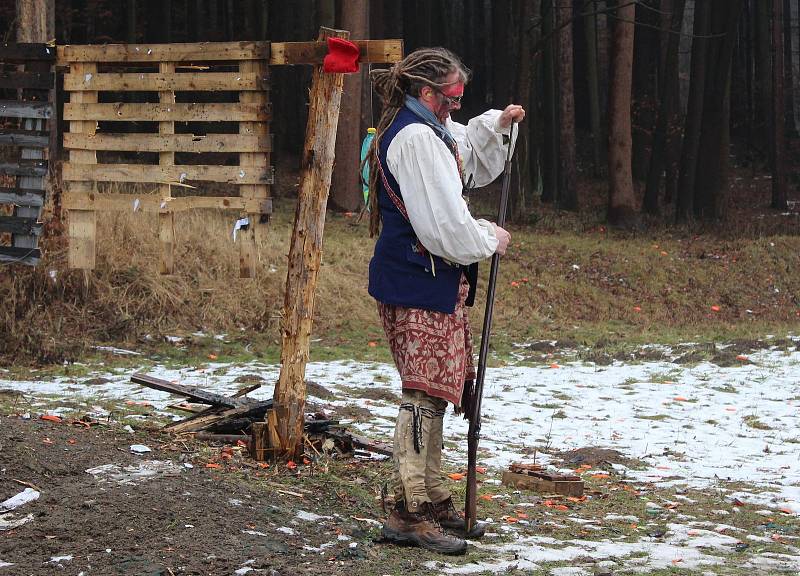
535 477
237 418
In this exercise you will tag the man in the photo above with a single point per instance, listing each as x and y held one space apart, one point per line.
424 270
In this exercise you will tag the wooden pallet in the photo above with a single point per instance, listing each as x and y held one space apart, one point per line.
26 114
203 90
534 477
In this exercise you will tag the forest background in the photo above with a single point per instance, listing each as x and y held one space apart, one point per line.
654 191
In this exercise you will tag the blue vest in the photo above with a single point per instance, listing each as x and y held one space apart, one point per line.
400 272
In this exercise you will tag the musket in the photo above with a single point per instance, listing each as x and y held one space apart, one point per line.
474 415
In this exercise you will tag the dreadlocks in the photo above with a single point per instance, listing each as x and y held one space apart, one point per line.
423 67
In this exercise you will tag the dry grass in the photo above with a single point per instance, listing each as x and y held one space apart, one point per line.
564 278
55 313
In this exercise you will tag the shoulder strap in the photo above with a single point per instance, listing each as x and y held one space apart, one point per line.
393 196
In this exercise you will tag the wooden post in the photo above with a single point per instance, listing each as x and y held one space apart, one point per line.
248 250
82 223
305 253
166 218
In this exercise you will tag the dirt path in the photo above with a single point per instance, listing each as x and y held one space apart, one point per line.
180 520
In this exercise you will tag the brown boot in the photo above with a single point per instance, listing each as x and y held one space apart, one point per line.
453 520
420 529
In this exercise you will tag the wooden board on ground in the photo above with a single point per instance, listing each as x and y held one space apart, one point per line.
191 392
534 477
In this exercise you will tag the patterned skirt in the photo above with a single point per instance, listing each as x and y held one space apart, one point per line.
432 350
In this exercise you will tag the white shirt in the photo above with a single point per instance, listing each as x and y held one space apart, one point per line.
428 176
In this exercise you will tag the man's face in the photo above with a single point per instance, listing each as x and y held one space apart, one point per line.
445 99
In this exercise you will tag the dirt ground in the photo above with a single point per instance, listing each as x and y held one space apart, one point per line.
186 518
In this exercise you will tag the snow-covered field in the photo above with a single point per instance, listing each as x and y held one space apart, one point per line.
693 426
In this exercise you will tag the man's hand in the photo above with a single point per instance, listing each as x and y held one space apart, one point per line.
503 239
512 113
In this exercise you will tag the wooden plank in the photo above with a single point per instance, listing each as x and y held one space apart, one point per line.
182 174
216 414
171 142
178 52
31 80
371 51
31 138
246 390
20 225
25 168
17 255
260 450
143 82
15 109
120 111
151 203
22 52
524 481
83 223
22 196
166 220
191 392
82 239
248 239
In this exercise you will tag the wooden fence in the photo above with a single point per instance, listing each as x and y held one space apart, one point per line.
217 89
26 116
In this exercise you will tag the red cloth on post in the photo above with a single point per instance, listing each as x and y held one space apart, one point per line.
342 56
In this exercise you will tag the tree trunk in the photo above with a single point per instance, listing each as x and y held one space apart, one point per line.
621 200
212 9
645 72
668 92
159 21
794 62
130 28
684 209
749 81
788 75
590 34
778 124
346 193
603 44
685 54
263 19
567 190
763 86
711 183
526 154
36 21
550 146
326 14
502 62
424 20
488 51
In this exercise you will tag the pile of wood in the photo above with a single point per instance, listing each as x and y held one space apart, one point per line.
231 419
